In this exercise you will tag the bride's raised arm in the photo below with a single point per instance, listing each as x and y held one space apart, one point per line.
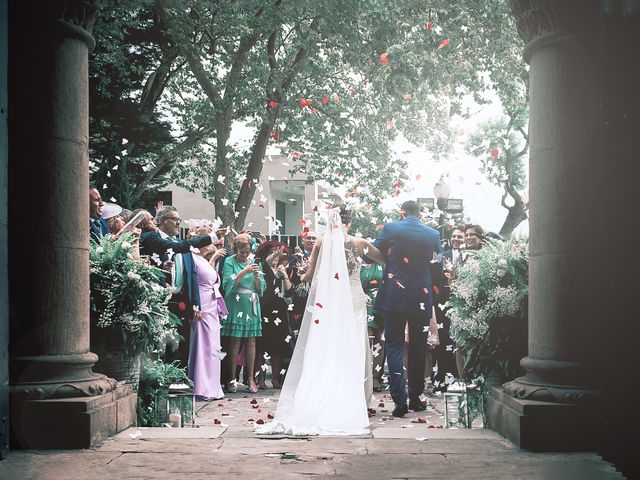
308 275
366 249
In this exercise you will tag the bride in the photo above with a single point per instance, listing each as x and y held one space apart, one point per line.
329 384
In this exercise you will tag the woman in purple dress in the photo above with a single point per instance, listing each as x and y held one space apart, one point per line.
205 354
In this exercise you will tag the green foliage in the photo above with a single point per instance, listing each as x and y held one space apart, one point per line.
127 299
155 377
502 147
368 220
189 73
488 311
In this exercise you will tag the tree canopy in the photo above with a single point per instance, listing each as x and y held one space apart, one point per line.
332 83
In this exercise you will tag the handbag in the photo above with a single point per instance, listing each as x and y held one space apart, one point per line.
433 338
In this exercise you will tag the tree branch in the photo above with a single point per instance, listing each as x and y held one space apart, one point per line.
167 158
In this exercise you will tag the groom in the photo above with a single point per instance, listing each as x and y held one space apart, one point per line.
410 282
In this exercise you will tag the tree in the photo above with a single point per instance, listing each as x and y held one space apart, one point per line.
502 146
332 82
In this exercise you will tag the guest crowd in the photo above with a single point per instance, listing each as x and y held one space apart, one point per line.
240 310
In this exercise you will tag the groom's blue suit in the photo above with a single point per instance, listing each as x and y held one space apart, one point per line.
406 296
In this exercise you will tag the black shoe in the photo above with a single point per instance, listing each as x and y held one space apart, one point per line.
400 410
417 406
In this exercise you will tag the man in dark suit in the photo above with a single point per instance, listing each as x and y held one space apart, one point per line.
162 244
298 264
406 297
443 355
98 226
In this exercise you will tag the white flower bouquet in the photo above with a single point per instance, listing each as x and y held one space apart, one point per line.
488 308
128 299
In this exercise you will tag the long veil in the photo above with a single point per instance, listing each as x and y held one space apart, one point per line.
323 391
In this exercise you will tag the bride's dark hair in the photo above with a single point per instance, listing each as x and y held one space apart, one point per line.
345 213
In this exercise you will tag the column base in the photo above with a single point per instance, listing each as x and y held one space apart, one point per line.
69 423
544 426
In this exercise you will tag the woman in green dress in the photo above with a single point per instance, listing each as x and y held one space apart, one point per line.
371 278
243 284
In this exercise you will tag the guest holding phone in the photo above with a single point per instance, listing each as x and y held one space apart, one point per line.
244 284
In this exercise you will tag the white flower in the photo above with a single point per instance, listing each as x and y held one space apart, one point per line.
500 273
502 263
99 250
126 245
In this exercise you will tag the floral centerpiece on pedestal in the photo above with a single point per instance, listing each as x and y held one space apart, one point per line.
488 309
129 305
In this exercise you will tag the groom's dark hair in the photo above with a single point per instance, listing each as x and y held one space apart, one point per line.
411 208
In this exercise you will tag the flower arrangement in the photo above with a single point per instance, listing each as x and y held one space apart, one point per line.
127 298
488 308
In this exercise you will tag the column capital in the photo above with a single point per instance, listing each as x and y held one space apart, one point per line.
541 22
74 18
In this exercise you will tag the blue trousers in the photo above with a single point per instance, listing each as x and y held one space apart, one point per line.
394 326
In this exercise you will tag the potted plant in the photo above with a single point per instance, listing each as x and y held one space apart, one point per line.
488 310
129 312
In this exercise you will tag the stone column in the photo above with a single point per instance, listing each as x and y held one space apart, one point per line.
553 406
51 376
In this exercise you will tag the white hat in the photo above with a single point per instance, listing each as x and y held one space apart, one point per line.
110 210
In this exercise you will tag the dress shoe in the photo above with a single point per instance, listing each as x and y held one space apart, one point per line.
417 406
400 410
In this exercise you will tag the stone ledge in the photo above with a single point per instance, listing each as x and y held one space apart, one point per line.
543 426
81 422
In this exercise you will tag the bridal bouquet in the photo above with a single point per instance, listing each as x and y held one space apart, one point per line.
488 308
128 302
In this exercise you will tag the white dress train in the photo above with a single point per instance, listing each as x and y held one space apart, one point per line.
328 386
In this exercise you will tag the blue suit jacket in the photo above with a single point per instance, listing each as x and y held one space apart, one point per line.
96 232
409 276
153 242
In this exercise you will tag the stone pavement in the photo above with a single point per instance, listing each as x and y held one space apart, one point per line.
223 445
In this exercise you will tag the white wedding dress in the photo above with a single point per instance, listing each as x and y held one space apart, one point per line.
328 386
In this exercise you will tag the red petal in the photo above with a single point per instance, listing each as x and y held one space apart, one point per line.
325 100
260 421
319 304
352 90
273 104
426 290
336 276
221 404
315 209
444 43
316 321
269 416
384 58
495 152
381 404
253 402
405 260
428 25
436 290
